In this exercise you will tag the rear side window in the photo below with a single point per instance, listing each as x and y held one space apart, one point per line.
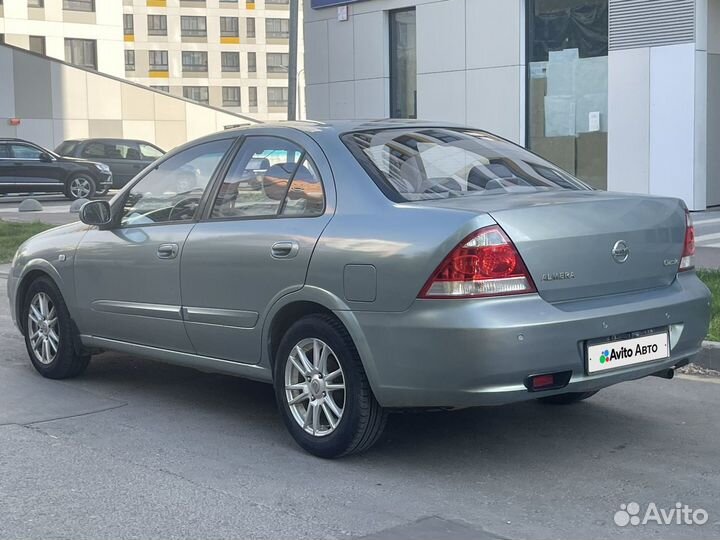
110 150
268 177
441 163
4 151
149 152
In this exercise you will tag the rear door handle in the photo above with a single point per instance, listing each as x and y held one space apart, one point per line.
167 251
285 249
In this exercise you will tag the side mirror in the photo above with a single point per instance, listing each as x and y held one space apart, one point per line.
46 157
96 213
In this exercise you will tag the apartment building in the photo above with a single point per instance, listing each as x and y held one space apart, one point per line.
231 54
226 53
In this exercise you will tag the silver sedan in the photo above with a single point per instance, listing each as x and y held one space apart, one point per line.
366 267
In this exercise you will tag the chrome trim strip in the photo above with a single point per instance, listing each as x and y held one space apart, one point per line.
202 363
221 317
159 311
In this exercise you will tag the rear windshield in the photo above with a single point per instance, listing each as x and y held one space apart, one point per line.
441 163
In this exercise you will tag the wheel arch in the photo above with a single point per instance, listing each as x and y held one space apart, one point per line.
307 301
33 271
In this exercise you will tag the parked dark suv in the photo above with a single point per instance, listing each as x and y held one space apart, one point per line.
28 168
125 157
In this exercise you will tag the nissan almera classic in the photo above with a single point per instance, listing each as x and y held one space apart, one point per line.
366 267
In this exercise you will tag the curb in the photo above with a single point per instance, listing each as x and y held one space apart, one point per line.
709 356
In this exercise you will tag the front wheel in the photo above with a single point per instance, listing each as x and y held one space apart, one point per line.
322 391
567 399
80 186
49 332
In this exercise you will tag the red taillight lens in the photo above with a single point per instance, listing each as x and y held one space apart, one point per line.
688 257
484 264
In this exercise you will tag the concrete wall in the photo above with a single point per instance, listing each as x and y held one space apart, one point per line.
55 102
471 62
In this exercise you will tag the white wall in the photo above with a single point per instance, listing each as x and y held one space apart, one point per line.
470 58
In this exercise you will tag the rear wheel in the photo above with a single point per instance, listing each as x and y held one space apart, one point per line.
80 186
50 334
322 391
566 399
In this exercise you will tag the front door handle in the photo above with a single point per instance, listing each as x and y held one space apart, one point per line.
167 251
285 250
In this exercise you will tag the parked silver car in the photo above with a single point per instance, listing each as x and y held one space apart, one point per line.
366 267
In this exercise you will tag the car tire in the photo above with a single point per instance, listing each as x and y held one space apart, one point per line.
567 399
50 334
328 422
80 186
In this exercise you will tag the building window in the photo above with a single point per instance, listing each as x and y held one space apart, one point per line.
129 60
37 44
194 61
250 27
231 96
128 24
277 28
35 4
567 85
252 96
403 64
278 62
165 89
228 1
193 26
157 25
196 93
277 96
79 5
230 61
276 2
158 60
81 52
229 27
252 62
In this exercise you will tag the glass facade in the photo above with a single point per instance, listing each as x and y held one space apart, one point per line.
403 64
568 85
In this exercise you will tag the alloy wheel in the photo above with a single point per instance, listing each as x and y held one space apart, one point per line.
80 187
43 328
315 387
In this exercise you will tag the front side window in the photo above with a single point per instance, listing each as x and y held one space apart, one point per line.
81 52
172 191
23 151
445 163
193 26
157 25
4 148
270 177
277 28
195 61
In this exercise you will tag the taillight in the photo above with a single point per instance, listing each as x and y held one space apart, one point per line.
486 263
688 257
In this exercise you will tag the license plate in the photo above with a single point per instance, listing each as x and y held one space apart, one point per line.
627 352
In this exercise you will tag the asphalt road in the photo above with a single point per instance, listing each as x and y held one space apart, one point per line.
138 449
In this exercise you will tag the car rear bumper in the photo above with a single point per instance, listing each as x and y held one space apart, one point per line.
463 353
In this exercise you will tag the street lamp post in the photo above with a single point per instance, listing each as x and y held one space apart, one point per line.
292 61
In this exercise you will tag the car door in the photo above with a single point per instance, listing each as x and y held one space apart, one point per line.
127 276
254 243
7 169
111 153
35 170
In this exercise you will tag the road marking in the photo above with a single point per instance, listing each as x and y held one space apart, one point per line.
707 237
707 221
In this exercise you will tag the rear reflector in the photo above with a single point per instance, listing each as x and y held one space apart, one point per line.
486 263
548 381
688 257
